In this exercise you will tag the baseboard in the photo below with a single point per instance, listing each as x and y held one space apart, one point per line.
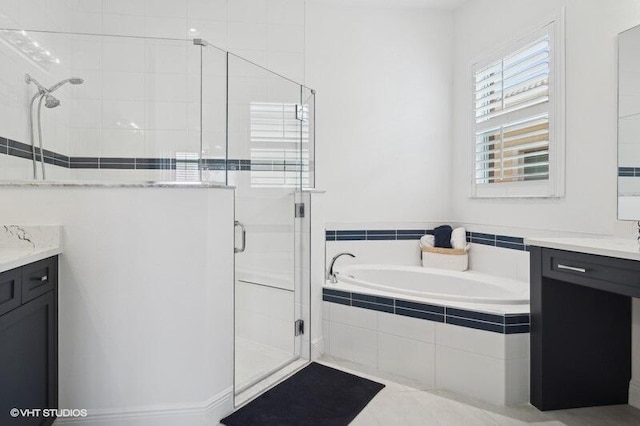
208 412
317 348
634 393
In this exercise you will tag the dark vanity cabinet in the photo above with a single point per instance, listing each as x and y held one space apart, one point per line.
580 328
29 341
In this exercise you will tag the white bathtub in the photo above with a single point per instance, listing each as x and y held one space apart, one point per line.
438 284
466 332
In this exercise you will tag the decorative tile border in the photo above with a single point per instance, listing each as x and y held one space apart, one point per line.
503 324
503 241
629 171
377 234
22 150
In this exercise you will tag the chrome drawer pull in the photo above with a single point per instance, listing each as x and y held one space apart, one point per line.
43 278
571 268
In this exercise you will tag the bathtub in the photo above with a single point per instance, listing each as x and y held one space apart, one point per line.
466 332
436 284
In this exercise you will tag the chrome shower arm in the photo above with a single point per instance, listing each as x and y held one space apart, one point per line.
30 79
72 80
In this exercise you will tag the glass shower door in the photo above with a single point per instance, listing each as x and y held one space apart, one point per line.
263 163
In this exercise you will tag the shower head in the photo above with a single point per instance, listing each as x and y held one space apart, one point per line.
72 80
28 79
51 101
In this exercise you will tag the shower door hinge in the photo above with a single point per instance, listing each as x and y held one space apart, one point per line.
299 327
299 210
200 42
300 116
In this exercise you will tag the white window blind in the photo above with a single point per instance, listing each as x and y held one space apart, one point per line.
279 135
514 113
187 167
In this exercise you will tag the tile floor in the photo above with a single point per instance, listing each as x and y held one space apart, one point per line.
404 403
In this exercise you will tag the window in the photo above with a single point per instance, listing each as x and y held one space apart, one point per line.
518 105
279 145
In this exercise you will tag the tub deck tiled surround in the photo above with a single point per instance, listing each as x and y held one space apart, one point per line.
510 323
479 354
502 241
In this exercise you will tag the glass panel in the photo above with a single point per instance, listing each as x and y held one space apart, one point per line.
214 115
264 139
115 108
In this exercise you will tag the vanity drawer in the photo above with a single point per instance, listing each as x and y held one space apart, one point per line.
39 278
10 290
605 273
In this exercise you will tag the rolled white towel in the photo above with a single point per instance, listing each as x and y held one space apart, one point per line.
459 238
427 241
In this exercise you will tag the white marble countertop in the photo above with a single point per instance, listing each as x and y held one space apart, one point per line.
21 245
612 247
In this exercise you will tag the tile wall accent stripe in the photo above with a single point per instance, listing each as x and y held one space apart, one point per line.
515 329
372 299
503 324
473 315
339 300
478 325
502 241
420 306
22 150
372 306
628 171
429 316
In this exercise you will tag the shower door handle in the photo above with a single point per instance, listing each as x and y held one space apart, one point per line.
237 223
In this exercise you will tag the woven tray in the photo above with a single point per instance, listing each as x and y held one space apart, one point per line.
450 251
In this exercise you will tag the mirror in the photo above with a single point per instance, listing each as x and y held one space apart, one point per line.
629 124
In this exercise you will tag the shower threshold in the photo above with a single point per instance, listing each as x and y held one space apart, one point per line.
251 391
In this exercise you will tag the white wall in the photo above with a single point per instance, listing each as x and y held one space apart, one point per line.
591 85
146 291
383 81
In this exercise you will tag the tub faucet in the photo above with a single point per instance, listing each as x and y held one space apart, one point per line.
332 275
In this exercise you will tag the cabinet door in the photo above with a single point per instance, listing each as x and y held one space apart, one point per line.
28 360
10 290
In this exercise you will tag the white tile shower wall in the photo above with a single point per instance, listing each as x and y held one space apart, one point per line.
268 215
271 31
489 366
142 102
265 315
383 78
132 299
135 102
15 97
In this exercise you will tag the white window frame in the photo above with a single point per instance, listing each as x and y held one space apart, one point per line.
554 186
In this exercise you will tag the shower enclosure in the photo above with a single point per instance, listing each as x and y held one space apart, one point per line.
270 138
170 110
